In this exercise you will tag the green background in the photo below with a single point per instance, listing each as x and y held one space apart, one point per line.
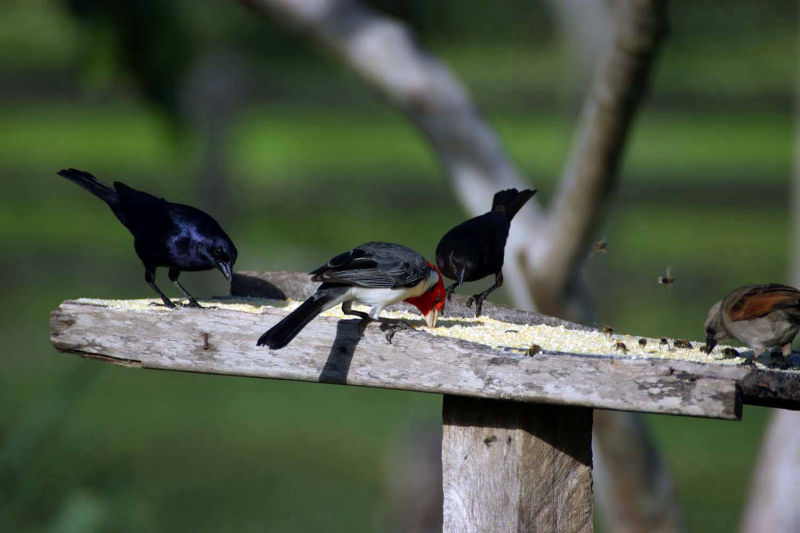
318 164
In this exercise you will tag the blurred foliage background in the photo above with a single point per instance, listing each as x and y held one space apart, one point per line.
207 103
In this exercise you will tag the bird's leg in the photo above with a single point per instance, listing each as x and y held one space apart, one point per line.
449 293
347 308
786 350
173 276
451 289
479 298
150 278
780 360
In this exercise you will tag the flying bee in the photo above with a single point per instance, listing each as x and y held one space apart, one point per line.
600 246
608 330
666 279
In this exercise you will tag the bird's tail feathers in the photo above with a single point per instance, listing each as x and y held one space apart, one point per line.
511 200
91 184
287 329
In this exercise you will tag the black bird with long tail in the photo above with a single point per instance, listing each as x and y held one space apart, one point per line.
377 274
474 249
176 236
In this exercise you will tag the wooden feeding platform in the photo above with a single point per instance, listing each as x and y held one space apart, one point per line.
516 445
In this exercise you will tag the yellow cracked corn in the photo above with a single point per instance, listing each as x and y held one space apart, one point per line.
487 331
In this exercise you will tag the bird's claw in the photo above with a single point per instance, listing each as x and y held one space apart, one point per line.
194 304
169 305
478 301
778 361
394 327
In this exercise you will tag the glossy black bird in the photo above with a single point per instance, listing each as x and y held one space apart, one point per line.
474 249
377 274
176 236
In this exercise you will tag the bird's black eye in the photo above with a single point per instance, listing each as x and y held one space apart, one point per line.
219 254
439 299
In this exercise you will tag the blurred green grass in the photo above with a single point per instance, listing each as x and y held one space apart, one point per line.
261 452
318 165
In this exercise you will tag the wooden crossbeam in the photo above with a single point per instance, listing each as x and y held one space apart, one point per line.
219 341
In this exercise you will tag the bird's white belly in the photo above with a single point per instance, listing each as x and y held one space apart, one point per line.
378 297
762 332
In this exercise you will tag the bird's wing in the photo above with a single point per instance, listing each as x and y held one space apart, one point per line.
762 300
375 265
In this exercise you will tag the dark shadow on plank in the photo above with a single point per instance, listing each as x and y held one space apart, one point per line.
344 345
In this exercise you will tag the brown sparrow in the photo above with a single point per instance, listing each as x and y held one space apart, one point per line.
761 316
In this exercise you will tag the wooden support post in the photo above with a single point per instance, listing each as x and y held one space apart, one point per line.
511 466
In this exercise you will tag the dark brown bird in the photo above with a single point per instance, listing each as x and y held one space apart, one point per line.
761 316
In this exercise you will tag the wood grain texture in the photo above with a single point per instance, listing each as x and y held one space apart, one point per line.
516 467
330 351
766 387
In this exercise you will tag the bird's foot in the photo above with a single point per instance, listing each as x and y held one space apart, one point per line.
194 304
390 327
167 303
449 291
477 299
777 360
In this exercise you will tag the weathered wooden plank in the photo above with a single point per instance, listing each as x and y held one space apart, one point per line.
772 387
511 466
222 341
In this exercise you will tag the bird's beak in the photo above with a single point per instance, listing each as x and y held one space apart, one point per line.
431 317
710 343
461 274
226 269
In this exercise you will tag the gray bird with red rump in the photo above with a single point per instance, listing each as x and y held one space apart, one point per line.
377 274
475 249
761 316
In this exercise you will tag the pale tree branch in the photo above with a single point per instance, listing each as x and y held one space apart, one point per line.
610 106
385 55
634 489
775 487
585 27
637 492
